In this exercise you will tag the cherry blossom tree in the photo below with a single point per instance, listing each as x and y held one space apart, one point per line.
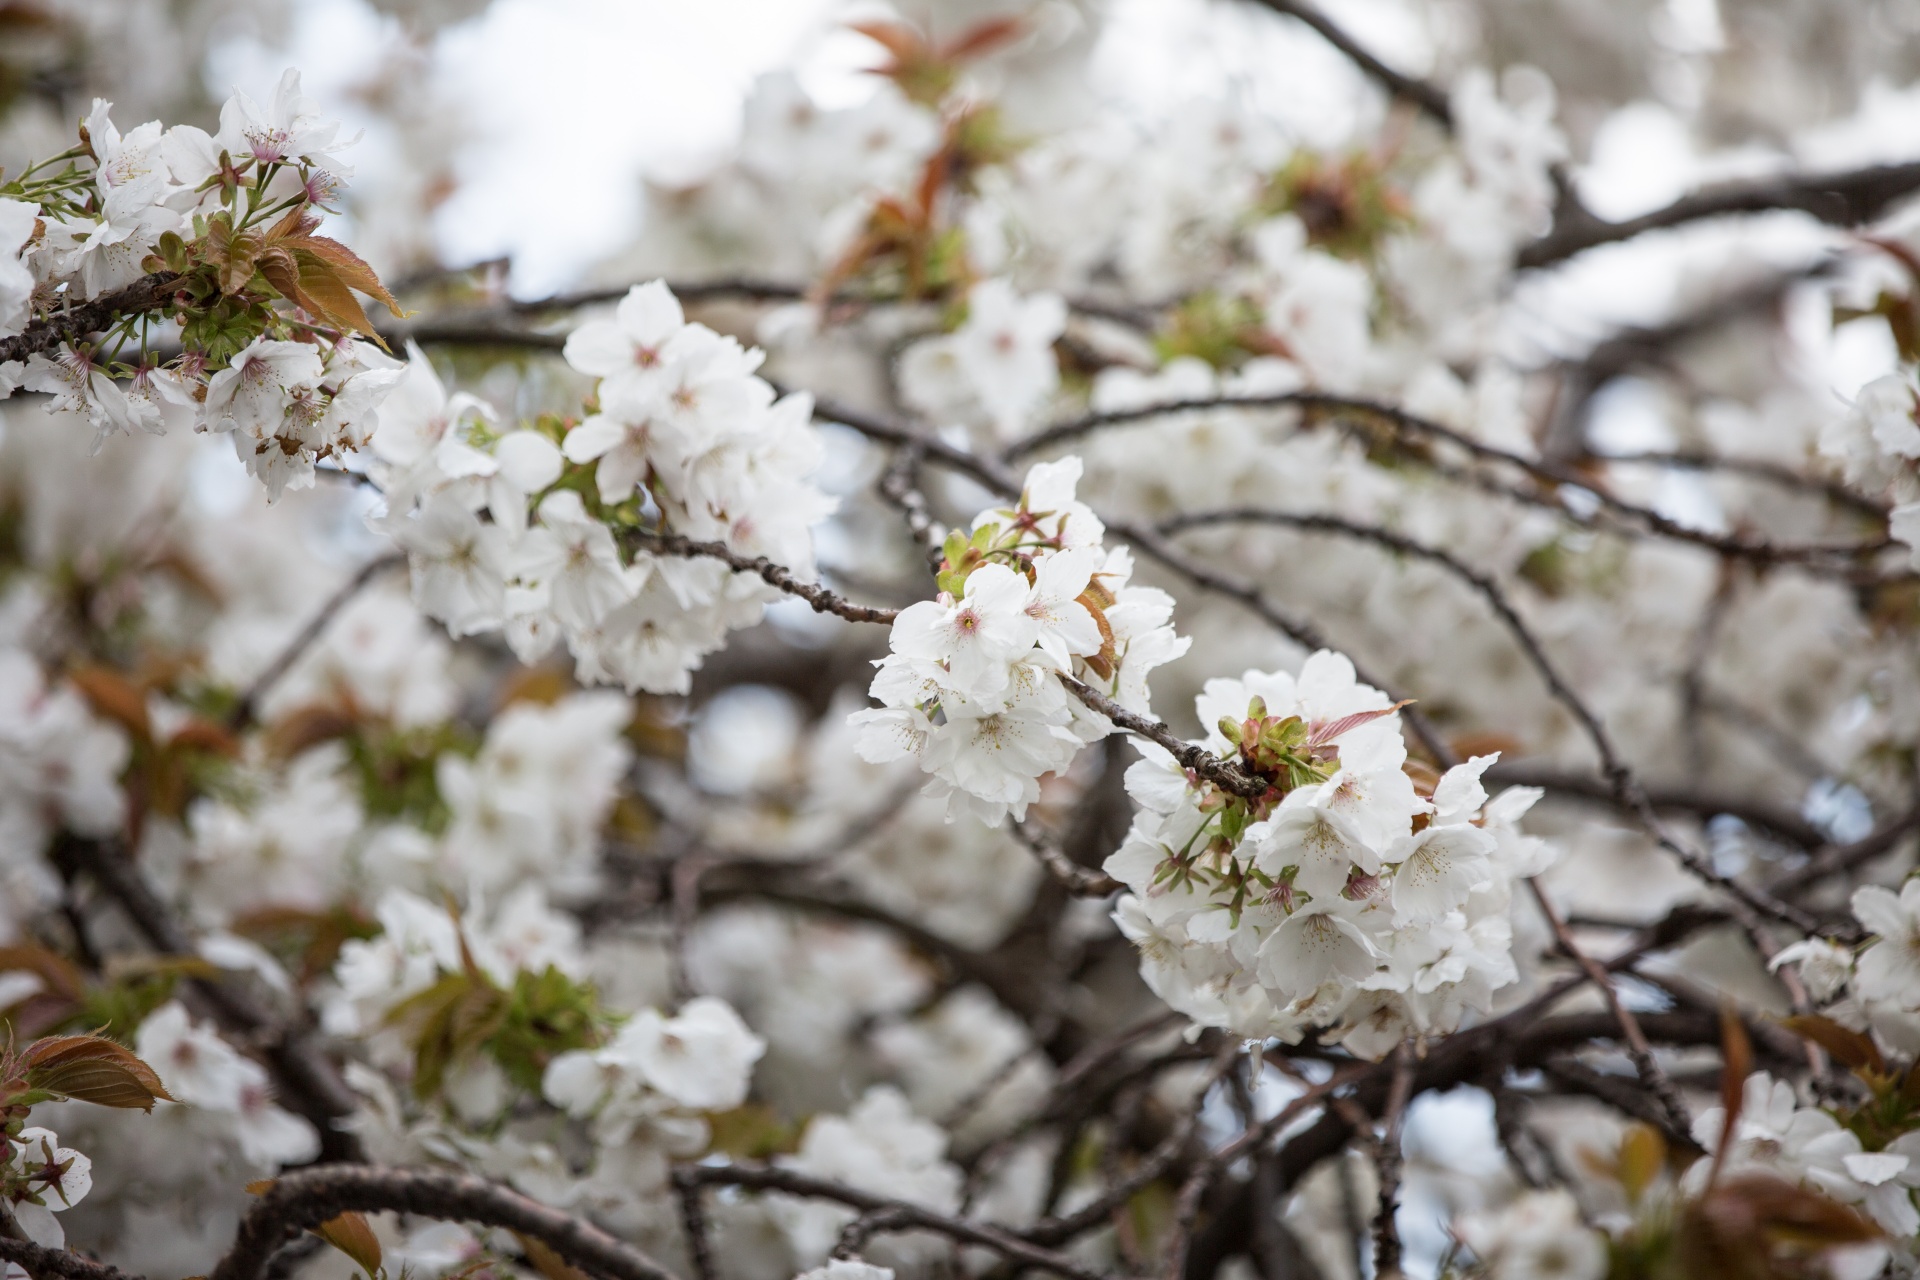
1029 680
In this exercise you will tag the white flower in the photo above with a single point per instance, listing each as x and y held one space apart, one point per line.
1316 944
56 1177
977 637
702 1057
1322 843
458 565
628 348
1889 969
78 385
847 1269
204 1072
289 131
1824 966
254 392
1066 628
1438 868
16 280
573 557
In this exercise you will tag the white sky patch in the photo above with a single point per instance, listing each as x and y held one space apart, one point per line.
575 99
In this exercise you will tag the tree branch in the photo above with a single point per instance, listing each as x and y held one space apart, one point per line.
1427 97
244 711
1839 199
43 1263
822 600
306 1198
308 1081
898 1214
1781 822
1548 474
149 293
1228 777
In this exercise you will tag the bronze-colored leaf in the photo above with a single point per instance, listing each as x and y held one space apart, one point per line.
983 38
546 1261
1736 1056
93 1069
351 1234
1851 1049
113 697
349 267
57 973
200 734
283 273
308 726
322 291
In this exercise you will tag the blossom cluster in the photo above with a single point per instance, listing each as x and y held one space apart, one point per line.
232 217
1876 987
1342 897
684 439
968 690
1877 444
599 947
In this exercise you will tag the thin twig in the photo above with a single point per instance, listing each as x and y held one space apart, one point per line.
1427 97
248 708
1083 882
1546 473
1228 777
1388 1160
308 1081
779 576
1638 1047
1007 1244
1839 199
43 1263
693 1222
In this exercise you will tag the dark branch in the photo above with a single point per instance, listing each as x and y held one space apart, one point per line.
1428 98
1551 476
308 1081
822 600
306 1198
1228 777
1838 199
43 1263
248 707
1781 822
898 1214
149 293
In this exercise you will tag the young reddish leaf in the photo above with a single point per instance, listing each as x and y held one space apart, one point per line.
546 1261
93 1069
57 973
348 267
200 734
322 291
1736 1053
113 697
283 273
897 38
298 221
983 38
1329 730
1850 1048
351 1235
